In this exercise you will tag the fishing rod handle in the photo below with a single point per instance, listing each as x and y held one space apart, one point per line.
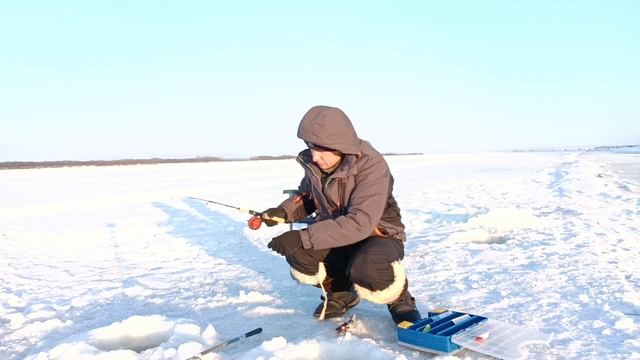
263 215
273 218
253 332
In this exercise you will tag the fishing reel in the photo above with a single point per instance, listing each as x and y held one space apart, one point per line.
254 222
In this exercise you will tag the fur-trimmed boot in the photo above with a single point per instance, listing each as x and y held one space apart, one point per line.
404 308
337 303
335 285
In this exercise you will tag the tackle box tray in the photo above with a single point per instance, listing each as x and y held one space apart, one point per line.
447 331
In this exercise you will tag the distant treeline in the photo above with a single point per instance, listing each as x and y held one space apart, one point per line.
68 163
398 154
580 148
614 147
267 157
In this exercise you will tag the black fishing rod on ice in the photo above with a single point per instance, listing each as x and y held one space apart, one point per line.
220 346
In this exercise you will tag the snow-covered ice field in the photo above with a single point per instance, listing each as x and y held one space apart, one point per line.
116 262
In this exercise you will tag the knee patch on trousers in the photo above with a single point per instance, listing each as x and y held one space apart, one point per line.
389 294
314 280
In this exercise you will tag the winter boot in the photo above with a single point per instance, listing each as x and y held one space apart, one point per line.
337 304
404 308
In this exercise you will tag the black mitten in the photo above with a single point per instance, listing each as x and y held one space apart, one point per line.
287 243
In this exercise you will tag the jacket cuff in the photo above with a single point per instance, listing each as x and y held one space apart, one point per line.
306 239
289 210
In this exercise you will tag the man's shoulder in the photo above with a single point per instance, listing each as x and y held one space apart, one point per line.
370 157
366 149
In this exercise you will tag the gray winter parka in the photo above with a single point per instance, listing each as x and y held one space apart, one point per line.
357 199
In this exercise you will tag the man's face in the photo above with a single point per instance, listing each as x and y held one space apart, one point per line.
324 157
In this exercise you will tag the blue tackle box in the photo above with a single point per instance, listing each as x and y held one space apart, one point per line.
434 333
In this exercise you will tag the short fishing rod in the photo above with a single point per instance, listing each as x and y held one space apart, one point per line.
254 222
220 346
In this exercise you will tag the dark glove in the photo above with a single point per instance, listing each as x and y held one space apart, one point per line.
287 243
273 212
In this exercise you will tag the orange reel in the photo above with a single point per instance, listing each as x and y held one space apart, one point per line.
254 222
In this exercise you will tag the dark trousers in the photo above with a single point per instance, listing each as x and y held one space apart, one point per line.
366 263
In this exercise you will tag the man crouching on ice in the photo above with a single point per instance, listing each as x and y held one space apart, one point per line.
354 248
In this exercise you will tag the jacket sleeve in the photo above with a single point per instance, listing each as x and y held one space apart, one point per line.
366 205
299 205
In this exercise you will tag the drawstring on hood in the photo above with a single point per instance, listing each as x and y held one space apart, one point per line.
329 127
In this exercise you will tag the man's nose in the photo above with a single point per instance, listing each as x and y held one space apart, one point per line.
315 155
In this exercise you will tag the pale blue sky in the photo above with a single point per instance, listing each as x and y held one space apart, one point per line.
115 79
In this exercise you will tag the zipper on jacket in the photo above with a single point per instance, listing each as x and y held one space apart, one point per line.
304 164
310 168
341 192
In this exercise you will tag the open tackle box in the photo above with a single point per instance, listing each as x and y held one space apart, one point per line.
447 331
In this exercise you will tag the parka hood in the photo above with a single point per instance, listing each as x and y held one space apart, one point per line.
329 127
